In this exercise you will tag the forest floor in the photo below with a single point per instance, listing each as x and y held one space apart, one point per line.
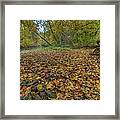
60 75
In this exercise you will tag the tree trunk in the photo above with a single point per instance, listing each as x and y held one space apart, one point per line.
43 39
52 31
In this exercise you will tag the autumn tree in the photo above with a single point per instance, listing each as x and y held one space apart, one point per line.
30 34
27 30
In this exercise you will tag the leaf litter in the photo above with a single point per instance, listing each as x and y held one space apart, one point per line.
60 75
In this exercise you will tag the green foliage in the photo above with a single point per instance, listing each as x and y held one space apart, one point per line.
27 33
60 33
26 42
79 33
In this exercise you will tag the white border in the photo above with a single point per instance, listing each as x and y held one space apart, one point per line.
104 106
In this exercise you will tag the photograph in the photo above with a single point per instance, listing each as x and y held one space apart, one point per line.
60 59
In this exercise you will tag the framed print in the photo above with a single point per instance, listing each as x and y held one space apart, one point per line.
60 59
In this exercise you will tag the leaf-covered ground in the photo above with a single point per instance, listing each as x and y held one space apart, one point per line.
60 75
